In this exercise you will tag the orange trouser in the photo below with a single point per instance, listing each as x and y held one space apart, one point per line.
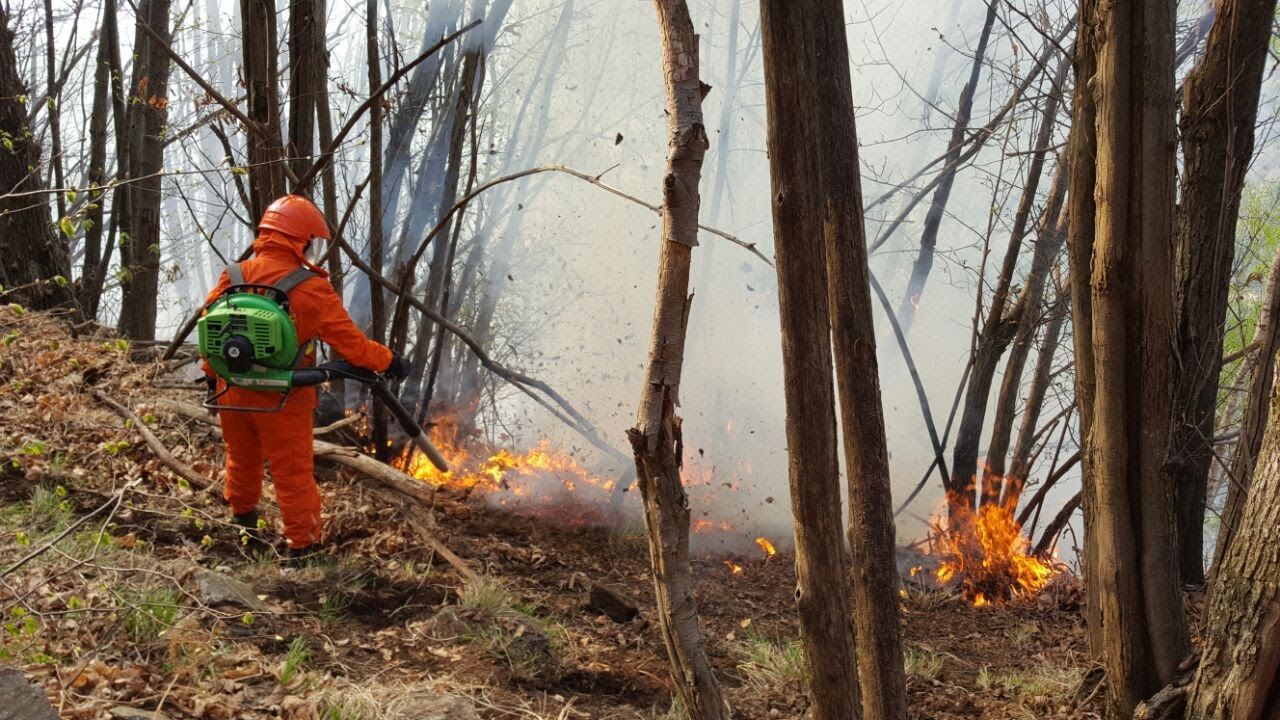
282 439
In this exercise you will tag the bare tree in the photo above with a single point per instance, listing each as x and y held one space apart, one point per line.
148 107
262 81
933 220
1220 108
656 438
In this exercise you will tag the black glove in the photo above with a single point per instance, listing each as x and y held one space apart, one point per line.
398 369
212 383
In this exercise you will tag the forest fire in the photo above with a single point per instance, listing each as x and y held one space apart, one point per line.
533 482
986 554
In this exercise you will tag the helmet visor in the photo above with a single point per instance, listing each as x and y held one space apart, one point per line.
317 250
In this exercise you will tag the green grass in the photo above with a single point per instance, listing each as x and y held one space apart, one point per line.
485 595
294 660
49 510
768 664
148 612
921 664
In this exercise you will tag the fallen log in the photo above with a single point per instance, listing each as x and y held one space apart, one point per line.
414 497
157 447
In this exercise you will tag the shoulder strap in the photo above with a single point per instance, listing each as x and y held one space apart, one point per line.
235 274
293 280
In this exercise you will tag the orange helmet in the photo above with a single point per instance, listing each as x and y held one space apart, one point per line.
297 217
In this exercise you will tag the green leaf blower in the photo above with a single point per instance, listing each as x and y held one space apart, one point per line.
249 340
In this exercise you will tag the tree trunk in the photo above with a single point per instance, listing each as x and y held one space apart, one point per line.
55 109
1021 466
30 255
1254 421
89 285
1081 208
1239 675
261 80
1143 630
933 220
1003 320
306 79
881 675
1220 107
140 252
656 438
801 204
1029 314
378 297
121 213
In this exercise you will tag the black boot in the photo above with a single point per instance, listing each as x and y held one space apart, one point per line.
301 557
250 536
248 521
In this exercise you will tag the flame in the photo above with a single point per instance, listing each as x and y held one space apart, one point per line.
539 481
734 567
916 570
987 554
915 300
767 546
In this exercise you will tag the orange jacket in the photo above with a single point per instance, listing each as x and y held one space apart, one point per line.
317 312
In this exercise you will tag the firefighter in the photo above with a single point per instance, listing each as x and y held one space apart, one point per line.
292 234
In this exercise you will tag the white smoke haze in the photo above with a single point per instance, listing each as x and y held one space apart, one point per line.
579 83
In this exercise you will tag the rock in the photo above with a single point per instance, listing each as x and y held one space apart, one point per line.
121 712
22 701
611 602
216 589
438 707
446 624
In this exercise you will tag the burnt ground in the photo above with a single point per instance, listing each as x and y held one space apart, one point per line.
114 612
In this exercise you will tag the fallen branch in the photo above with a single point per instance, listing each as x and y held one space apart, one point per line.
413 496
157 447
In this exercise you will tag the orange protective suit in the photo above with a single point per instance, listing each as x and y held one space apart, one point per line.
283 438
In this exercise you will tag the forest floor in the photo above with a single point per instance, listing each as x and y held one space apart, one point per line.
156 603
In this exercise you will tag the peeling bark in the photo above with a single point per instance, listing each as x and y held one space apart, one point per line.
656 438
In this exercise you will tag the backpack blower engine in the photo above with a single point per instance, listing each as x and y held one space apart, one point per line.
248 338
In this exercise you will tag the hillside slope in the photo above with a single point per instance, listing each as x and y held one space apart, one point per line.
126 589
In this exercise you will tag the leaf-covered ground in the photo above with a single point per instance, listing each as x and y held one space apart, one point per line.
135 592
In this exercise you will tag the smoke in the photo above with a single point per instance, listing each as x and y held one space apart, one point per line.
596 255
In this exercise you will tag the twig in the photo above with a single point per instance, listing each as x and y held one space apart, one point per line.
154 443
327 156
349 420
915 378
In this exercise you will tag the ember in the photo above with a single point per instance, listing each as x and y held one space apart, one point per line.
734 567
988 556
